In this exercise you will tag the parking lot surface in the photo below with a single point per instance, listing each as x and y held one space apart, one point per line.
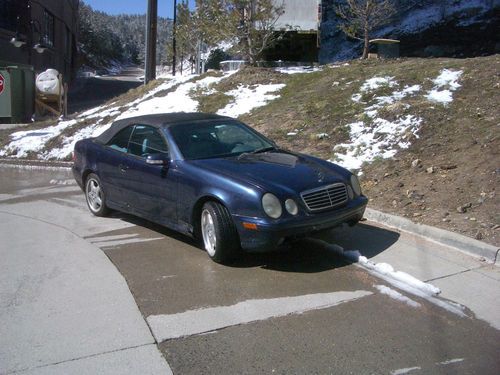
123 295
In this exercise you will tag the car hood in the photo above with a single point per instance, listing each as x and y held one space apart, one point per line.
277 170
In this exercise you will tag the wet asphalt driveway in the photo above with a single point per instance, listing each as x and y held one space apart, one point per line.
302 309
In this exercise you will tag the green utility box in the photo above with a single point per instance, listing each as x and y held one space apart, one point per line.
17 93
386 48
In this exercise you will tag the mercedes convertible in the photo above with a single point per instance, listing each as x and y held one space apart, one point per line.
215 179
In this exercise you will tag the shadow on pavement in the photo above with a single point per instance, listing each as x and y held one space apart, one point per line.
368 239
87 93
300 256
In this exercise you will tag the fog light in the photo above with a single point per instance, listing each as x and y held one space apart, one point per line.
291 207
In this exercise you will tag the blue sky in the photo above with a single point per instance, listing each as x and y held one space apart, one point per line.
165 7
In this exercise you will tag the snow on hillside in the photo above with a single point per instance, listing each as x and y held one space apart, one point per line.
375 137
371 135
245 99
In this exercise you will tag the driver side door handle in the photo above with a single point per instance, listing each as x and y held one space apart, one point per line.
123 168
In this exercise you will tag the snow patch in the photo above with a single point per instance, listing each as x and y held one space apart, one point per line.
247 98
378 137
175 101
444 85
382 139
62 182
375 83
450 361
398 279
68 143
402 371
298 69
396 295
27 141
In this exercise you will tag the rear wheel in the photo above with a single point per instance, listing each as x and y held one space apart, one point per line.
218 232
96 199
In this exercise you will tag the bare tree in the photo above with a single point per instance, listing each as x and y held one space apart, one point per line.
250 24
360 17
255 26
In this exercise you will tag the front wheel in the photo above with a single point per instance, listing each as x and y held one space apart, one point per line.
96 199
218 232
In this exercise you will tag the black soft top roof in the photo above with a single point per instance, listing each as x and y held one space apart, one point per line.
158 121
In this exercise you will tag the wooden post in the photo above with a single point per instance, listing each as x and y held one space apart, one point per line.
65 108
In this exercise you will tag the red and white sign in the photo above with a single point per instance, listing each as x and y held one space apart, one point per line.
2 83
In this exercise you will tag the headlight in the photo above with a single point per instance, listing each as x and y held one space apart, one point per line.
291 207
355 185
271 205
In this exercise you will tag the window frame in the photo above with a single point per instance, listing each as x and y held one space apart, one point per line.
127 151
109 146
155 130
48 29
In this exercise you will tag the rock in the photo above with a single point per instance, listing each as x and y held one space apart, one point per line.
412 194
479 235
446 220
394 203
472 219
463 208
417 163
495 227
446 214
400 184
430 170
417 214
448 166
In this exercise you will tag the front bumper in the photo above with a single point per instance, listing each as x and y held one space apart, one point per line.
270 233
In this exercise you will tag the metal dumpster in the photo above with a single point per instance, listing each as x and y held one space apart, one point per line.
17 93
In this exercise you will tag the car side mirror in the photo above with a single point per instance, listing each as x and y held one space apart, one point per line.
158 159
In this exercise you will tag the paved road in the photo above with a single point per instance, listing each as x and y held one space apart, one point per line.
91 92
303 309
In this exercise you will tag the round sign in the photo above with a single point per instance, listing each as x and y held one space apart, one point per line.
2 81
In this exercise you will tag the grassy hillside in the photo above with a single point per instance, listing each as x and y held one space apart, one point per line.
434 162
456 155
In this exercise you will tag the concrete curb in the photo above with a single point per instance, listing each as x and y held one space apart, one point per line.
35 163
441 236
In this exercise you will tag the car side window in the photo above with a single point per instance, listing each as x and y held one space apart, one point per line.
120 140
145 141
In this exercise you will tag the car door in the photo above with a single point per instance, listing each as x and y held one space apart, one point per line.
150 189
110 167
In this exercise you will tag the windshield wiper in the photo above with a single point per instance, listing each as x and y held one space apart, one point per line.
258 151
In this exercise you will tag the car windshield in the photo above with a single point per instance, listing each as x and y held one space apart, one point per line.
217 139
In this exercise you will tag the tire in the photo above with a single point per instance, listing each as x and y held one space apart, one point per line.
218 233
95 196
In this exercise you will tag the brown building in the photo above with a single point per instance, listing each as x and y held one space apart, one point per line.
41 33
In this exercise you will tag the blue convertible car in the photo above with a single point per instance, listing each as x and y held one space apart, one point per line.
216 179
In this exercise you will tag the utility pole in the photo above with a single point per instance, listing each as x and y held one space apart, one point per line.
174 58
151 27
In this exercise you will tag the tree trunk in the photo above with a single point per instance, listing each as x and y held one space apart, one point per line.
366 38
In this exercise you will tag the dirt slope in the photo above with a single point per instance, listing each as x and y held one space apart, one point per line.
456 155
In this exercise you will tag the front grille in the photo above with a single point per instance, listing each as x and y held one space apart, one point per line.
325 197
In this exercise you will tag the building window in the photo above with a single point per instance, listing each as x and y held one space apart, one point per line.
67 43
48 29
9 11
